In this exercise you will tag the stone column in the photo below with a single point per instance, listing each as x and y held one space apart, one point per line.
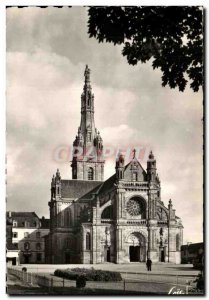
119 246
172 243
152 250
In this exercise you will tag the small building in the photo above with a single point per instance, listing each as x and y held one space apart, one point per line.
12 252
191 252
25 238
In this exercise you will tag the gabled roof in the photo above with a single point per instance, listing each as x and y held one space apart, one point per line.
134 160
77 188
25 214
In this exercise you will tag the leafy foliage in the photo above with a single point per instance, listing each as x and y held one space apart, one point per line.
90 274
172 36
81 281
200 282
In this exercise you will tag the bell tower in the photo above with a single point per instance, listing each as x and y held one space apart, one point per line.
87 162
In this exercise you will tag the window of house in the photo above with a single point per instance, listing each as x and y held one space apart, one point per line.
27 224
16 245
38 256
15 234
26 246
38 234
14 223
90 174
38 246
26 234
88 241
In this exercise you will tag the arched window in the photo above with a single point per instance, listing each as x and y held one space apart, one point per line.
26 246
88 241
177 242
107 213
38 246
68 218
90 174
62 218
135 176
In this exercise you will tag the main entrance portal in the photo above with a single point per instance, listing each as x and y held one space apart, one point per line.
134 253
137 247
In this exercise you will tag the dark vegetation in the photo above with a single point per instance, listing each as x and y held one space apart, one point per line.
88 274
171 36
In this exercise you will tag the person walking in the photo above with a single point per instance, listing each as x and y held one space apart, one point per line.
149 264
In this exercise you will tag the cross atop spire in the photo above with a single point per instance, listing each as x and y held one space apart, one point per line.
134 153
151 155
87 74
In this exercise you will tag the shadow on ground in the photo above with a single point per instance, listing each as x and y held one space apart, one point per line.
19 290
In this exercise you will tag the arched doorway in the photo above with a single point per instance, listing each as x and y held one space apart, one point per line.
137 247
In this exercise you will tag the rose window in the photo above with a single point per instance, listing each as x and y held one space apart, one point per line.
134 207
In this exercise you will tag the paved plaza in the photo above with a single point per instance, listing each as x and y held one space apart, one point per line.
137 268
136 279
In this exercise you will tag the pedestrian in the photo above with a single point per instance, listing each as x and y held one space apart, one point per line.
149 264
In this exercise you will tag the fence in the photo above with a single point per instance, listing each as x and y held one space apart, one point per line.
144 283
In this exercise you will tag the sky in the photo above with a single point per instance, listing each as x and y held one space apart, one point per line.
47 50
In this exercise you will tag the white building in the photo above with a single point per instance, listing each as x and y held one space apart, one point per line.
25 235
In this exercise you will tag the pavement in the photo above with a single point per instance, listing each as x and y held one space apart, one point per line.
136 279
131 268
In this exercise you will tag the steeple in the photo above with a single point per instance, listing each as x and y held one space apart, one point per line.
151 167
87 126
88 144
119 166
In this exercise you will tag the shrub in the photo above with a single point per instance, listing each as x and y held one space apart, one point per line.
200 282
81 281
90 274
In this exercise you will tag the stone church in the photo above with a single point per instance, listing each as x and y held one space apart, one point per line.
120 220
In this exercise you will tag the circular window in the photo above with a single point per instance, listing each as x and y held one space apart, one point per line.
134 207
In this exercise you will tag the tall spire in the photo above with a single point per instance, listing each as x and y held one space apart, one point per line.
88 137
87 127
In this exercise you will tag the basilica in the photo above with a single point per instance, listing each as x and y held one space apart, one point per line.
120 220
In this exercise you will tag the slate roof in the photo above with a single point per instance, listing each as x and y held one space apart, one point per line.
21 217
88 196
77 188
108 184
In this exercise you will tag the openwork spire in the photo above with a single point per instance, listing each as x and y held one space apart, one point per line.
87 74
88 139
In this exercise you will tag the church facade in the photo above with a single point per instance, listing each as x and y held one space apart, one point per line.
120 220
